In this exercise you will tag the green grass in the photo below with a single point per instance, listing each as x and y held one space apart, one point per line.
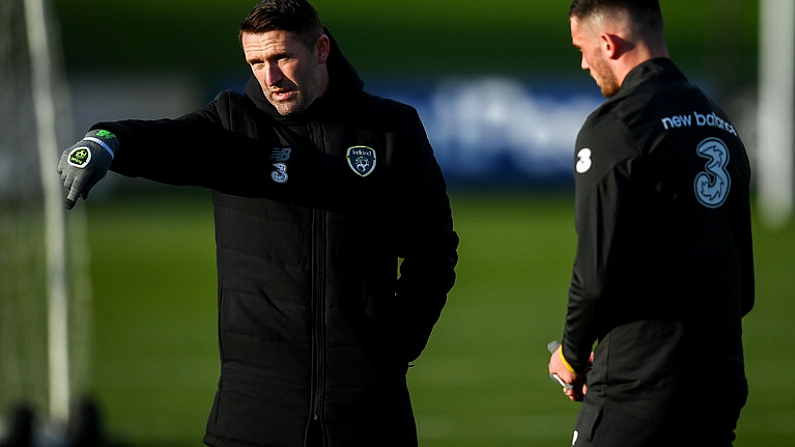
481 381
155 357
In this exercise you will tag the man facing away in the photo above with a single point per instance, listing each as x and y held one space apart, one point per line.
663 271
319 188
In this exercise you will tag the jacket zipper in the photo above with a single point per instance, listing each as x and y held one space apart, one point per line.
318 288
318 314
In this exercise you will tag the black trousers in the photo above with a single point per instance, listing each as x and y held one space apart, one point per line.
314 435
600 424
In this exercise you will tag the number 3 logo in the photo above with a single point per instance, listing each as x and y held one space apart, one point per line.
584 161
280 174
713 184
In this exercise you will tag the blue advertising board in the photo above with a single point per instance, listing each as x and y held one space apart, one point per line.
499 130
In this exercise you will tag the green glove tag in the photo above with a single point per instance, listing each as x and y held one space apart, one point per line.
79 157
105 134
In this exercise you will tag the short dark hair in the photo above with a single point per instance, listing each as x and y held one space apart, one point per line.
296 16
646 14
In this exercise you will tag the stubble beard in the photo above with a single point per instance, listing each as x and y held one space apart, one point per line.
605 78
291 106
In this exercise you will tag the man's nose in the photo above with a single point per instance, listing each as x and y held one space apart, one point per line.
273 74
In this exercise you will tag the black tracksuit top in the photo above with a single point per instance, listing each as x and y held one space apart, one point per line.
312 215
664 269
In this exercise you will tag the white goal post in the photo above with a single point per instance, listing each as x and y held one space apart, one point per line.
776 116
45 312
54 220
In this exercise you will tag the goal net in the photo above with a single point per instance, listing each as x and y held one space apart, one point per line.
44 287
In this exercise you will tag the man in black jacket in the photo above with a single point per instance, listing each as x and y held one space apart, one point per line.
663 272
319 189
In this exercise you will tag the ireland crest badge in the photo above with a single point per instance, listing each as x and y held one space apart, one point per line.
361 160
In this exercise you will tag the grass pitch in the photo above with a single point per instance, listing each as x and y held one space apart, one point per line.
481 381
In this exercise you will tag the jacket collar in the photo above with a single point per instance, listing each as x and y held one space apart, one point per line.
658 68
343 81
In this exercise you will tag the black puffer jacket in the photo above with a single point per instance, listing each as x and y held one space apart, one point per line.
312 214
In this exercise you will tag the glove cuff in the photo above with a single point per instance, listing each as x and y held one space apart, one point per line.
106 139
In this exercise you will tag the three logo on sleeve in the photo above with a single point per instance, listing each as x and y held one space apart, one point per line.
711 185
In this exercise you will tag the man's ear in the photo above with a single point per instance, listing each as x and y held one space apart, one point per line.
613 46
322 48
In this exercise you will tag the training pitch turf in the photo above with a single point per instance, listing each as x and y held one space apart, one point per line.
482 380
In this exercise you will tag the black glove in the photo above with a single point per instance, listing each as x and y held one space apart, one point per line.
85 163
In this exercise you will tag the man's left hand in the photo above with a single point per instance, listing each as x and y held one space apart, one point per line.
577 381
